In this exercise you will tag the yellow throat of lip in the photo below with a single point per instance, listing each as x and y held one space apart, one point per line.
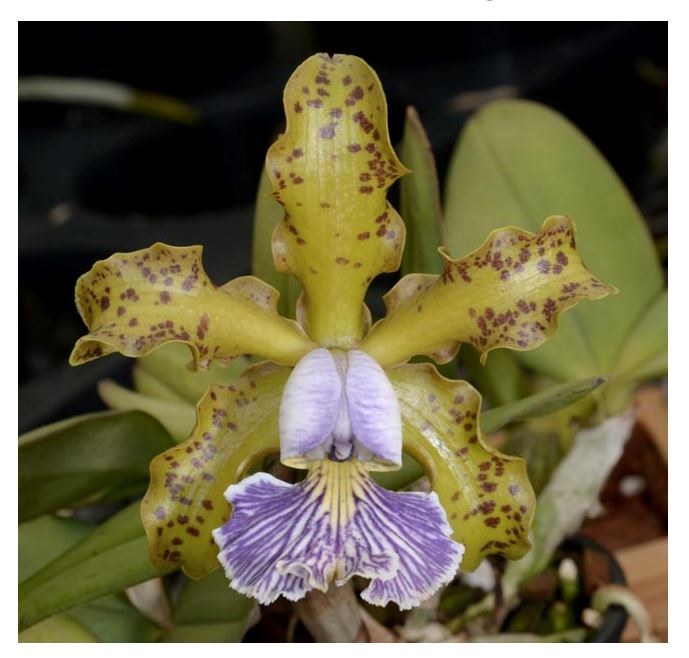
340 484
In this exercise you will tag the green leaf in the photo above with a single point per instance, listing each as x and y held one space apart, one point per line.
570 495
43 539
209 610
62 464
540 404
114 619
177 418
518 162
111 558
501 380
60 628
420 200
644 355
148 384
111 619
268 214
541 448
168 364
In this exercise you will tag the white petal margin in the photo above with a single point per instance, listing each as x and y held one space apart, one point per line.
374 412
309 409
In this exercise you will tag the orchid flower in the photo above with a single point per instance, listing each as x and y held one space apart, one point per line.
336 397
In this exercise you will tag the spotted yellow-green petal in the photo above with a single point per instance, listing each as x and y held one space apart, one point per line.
508 293
331 171
135 302
236 425
486 495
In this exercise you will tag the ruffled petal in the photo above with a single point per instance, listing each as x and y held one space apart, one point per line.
309 409
289 539
236 425
373 411
508 293
331 170
133 303
486 495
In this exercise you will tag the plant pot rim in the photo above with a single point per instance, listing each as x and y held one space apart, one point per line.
616 616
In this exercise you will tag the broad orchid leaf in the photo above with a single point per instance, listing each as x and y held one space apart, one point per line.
541 404
90 457
133 303
167 366
644 355
209 610
111 619
510 293
147 384
268 213
518 161
501 379
331 170
420 200
108 560
571 494
236 425
177 417
60 628
486 495
43 539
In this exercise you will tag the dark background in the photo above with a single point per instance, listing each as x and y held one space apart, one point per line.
93 181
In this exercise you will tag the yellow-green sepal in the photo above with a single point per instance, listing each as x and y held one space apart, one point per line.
134 302
237 424
331 171
486 495
508 293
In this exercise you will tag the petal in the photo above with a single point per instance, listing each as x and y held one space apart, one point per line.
508 293
309 409
133 303
487 496
373 410
288 539
331 170
236 425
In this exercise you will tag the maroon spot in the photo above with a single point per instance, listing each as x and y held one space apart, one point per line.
207 504
104 303
492 522
121 310
336 113
364 236
347 80
177 541
193 531
164 296
298 108
365 189
328 132
354 148
182 519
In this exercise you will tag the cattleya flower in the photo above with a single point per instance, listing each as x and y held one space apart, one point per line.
336 397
